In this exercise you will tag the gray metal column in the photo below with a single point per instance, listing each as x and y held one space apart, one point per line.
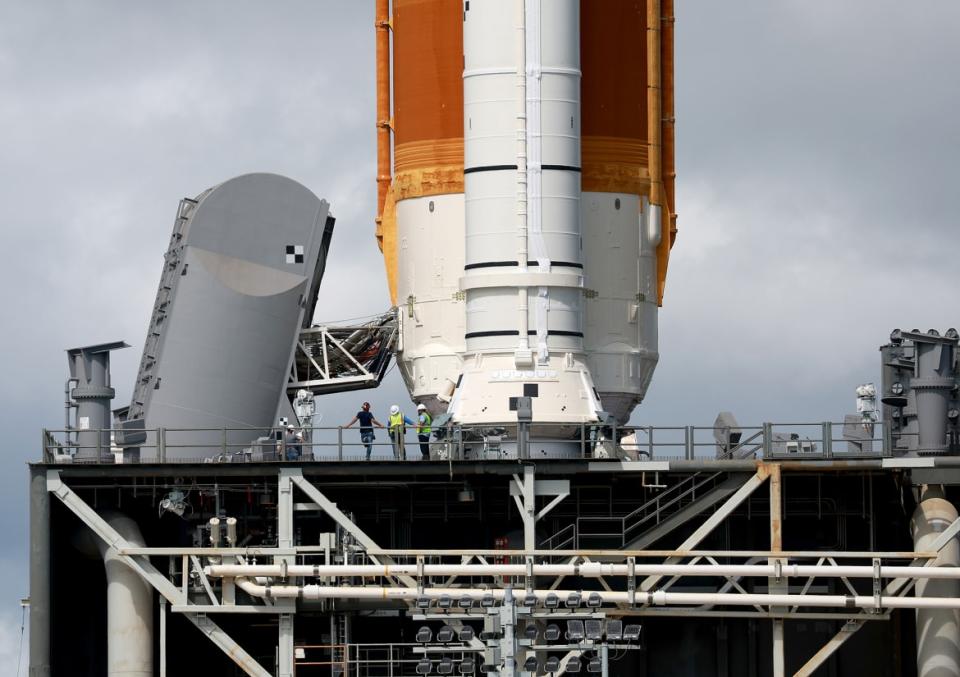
931 385
529 510
163 636
508 644
285 645
285 540
39 574
90 366
938 630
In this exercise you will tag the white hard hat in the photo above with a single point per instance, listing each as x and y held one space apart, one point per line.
394 409
421 407
290 426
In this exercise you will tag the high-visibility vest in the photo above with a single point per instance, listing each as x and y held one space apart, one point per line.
424 427
396 422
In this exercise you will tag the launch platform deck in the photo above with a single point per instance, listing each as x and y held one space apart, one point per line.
729 564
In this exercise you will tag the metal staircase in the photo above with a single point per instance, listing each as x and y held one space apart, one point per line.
651 521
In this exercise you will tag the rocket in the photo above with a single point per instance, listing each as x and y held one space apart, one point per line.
526 202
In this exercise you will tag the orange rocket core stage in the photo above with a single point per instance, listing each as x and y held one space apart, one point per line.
627 143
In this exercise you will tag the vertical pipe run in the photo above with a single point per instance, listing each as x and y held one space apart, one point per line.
382 23
668 122
522 357
654 112
129 608
938 630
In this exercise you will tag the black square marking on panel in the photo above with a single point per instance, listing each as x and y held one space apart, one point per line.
531 389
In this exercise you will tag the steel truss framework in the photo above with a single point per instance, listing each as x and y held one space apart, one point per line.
633 582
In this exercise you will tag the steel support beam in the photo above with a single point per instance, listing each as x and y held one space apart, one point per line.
331 509
892 588
39 575
139 563
284 510
163 635
529 510
713 521
848 630
142 566
285 646
777 585
227 644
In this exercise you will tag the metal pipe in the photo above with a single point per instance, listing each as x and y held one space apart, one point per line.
129 608
384 174
938 628
231 532
658 598
522 253
67 406
585 570
654 114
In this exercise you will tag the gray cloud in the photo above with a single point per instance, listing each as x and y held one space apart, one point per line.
816 159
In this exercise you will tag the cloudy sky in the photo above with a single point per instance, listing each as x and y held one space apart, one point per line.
817 144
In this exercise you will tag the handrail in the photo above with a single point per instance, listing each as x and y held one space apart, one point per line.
772 441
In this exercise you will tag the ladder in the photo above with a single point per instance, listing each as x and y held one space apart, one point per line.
146 374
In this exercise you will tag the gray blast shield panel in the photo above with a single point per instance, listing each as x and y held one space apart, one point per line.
239 282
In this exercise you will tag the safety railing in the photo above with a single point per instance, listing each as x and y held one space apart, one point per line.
493 442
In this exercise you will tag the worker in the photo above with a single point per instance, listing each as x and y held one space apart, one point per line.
423 430
397 427
292 444
367 421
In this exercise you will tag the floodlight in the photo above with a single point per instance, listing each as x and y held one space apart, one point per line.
424 634
552 633
445 602
594 665
424 666
530 600
466 633
445 666
573 665
631 632
423 602
490 634
465 602
531 664
575 631
573 600
594 629
530 632
614 630
552 664
487 601
467 666
551 601
594 600
489 667
445 634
